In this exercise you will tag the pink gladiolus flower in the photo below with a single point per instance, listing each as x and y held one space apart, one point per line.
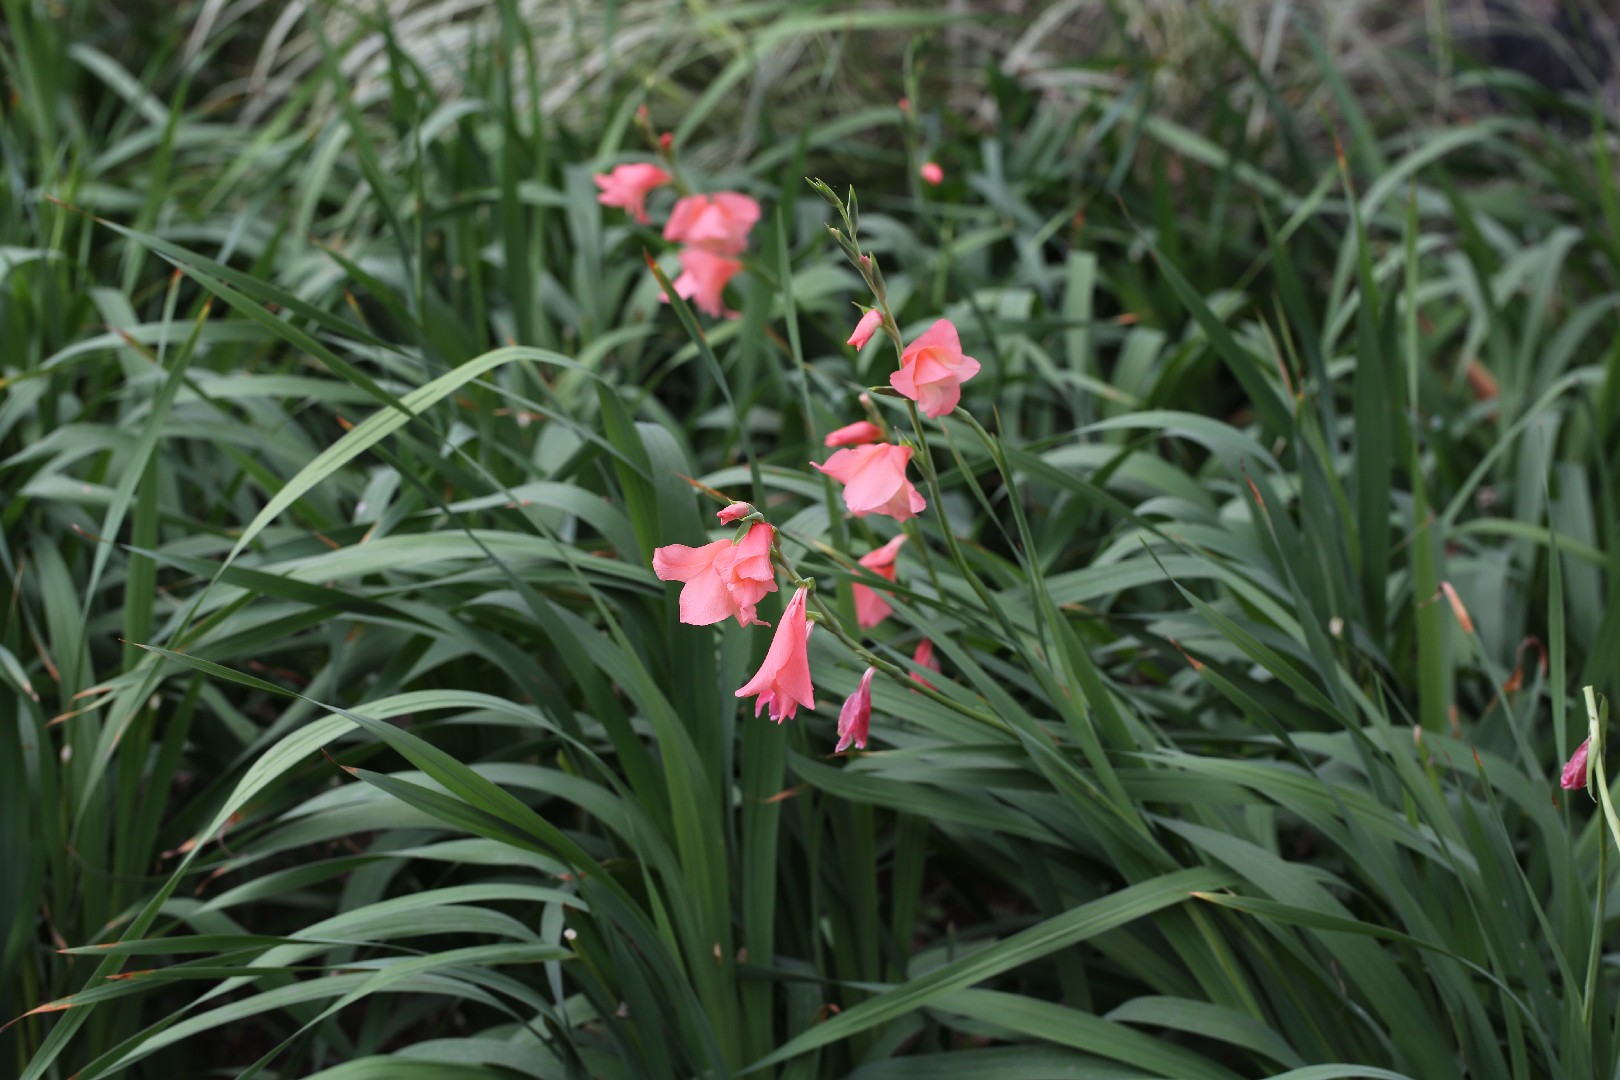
861 431
855 718
1575 769
628 185
866 328
924 657
870 606
874 479
722 579
783 680
718 222
703 278
933 369
734 512
931 172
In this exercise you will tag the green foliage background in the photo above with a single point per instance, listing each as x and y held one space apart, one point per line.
346 732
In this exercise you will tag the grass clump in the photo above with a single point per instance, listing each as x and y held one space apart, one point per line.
350 733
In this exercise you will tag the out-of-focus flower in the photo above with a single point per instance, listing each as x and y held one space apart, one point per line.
627 186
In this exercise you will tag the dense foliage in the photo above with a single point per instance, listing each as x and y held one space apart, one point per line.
346 730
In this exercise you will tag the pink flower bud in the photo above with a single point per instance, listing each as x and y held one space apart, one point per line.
734 512
861 431
932 173
866 328
855 718
1575 769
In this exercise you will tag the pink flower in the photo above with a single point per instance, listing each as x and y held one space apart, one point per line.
874 479
783 680
733 512
718 222
866 328
861 431
870 606
1575 769
722 579
931 172
933 369
628 185
855 718
703 278
924 658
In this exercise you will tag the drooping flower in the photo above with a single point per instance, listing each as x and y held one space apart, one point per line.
1575 769
870 606
855 718
874 479
703 278
933 369
627 186
783 680
931 172
861 431
924 658
721 579
866 328
718 222
734 512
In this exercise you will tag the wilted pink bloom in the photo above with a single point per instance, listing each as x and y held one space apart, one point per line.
874 479
855 718
628 185
703 279
861 431
865 328
933 369
722 578
734 512
932 173
1575 769
870 606
924 657
718 222
783 680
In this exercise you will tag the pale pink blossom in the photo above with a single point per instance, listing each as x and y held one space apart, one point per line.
855 718
718 222
933 369
866 328
874 479
627 186
871 607
721 579
861 431
703 279
783 680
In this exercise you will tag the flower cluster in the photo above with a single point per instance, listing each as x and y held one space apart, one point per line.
728 578
712 229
